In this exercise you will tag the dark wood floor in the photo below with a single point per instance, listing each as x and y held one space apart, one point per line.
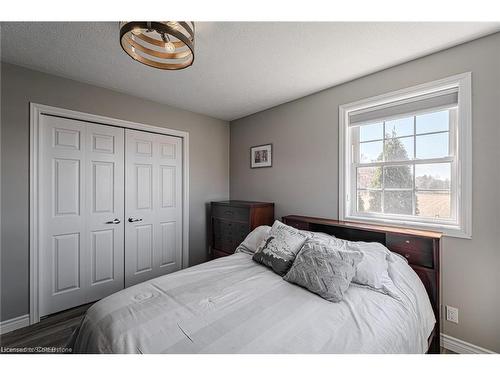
52 333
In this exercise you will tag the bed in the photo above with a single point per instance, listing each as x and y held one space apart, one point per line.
235 305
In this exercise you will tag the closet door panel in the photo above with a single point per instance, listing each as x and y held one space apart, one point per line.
153 210
169 237
140 203
63 261
81 188
105 209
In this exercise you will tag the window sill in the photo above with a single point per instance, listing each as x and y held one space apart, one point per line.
446 230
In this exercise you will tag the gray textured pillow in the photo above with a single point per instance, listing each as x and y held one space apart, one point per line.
372 270
279 249
324 269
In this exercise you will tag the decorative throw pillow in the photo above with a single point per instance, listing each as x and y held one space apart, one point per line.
372 271
324 269
279 249
253 240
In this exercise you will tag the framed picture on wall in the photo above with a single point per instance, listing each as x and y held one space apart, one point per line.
261 156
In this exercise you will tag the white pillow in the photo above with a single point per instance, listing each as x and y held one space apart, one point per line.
320 236
372 271
253 239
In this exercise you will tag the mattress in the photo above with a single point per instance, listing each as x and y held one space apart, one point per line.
234 305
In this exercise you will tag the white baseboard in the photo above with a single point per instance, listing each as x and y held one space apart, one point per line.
14 323
462 347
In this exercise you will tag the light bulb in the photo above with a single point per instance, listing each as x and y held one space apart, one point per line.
174 25
170 47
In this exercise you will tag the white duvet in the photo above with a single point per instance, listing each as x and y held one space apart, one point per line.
234 305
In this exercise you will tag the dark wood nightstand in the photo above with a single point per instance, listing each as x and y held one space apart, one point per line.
231 221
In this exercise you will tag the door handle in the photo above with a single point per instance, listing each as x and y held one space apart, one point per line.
133 220
114 221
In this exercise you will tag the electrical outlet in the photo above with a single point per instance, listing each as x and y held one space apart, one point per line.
452 314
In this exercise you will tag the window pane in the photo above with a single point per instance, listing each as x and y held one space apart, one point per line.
398 177
371 151
399 149
398 202
432 176
432 146
371 132
369 201
433 122
436 204
369 177
399 127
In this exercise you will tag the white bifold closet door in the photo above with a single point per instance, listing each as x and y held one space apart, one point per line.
81 174
153 205
110 210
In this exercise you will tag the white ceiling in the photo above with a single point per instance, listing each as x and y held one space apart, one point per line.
240 68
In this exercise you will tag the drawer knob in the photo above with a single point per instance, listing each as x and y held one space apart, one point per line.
407 256
407 241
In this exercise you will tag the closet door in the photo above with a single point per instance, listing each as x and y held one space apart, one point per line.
153 205
81 191
105 209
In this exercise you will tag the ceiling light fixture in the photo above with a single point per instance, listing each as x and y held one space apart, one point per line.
167 45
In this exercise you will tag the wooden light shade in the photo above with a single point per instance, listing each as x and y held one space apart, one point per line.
167 45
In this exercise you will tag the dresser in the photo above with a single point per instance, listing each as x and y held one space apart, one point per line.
232 220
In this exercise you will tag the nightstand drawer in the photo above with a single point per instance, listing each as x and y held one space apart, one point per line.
231 213
418 251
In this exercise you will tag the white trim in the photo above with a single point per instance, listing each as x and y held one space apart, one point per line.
462 82
0 159
450 230
36 110
35 113
185 200
14 323
462 347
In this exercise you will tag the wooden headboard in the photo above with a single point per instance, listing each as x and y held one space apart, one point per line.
420 248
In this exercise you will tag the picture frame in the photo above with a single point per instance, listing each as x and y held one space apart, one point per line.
261 156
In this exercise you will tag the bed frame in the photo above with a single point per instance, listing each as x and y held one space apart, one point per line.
420 248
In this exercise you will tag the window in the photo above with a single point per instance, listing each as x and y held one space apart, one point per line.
405 158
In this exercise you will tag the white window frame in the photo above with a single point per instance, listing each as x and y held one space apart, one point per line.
461 169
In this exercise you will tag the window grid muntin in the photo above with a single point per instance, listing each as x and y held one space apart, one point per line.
355 165
405 136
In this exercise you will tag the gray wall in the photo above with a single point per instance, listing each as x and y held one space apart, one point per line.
304 178
209 163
